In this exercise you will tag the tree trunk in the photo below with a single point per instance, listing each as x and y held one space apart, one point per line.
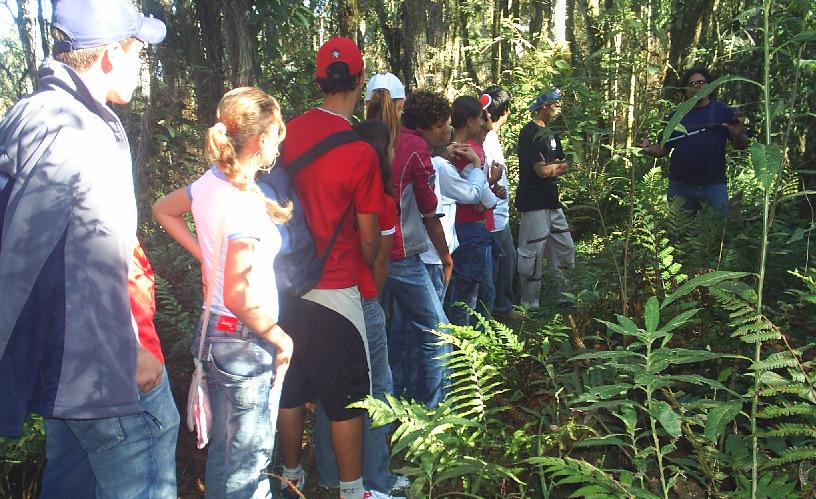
348 19
537 18
559 22
209 75
392 37
685 28
241 43
575 51
495 33
466 49
45 37
28 40
413 43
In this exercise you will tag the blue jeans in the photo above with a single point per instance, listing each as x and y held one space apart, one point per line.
124 457
412 293
476 295
239 378
715 196
504 267
437 279
376 454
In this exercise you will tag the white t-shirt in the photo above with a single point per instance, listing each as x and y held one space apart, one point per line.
213 196
493 152
450 188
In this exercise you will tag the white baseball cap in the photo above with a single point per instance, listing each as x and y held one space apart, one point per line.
387 81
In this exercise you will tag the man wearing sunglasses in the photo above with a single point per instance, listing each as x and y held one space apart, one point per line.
697 162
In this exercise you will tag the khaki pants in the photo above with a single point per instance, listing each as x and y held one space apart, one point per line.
543 233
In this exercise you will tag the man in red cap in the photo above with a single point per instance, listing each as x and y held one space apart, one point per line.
341 188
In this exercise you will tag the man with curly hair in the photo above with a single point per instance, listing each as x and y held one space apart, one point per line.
425 121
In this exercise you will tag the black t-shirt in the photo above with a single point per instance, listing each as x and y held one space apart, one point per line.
534 144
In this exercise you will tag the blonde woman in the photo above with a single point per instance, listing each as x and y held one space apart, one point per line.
245 349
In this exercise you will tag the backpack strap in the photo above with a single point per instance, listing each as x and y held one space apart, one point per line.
327 144
336 233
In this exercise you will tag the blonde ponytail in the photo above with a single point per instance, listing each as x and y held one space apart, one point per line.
244 113
382 107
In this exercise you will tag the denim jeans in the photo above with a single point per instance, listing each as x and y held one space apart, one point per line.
239 378
438 279
474 289
376 454
715 196
504 267
124 457
477 296
410 289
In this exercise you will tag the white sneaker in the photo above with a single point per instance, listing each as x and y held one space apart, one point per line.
373 494
401 482
288 492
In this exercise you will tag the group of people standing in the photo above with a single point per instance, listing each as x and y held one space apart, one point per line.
408 215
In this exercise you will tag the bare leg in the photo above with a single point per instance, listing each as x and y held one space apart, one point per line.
290 429
347 439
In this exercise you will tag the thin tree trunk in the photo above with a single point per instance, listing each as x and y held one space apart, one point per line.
537 18
209 75
26 31
559 21
495 33
413 42
466 50
45 37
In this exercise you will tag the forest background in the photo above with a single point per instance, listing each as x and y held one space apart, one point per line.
685 368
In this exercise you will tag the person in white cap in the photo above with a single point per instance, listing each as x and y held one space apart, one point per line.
384 97
69 344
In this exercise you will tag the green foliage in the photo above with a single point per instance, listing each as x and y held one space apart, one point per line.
22 460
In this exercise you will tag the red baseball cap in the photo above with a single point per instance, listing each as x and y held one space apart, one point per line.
339 49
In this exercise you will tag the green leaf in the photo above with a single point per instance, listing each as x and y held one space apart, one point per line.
679 320
719 417
705 280
652 314
766 161
667 418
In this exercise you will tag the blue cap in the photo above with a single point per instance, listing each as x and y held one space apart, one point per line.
94 23
549 95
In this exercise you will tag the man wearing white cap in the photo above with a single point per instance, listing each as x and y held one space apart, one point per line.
68 339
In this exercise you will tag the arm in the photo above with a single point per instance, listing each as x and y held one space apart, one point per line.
553 169
369 237
462 190
169 213
495 173
148 370
488 199
238 298
736 131
653 150
380 269
437 235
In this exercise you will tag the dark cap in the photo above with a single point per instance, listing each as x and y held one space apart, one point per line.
94 23
549 95
339 49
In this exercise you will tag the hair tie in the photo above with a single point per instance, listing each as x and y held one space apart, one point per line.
485 100
220 128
